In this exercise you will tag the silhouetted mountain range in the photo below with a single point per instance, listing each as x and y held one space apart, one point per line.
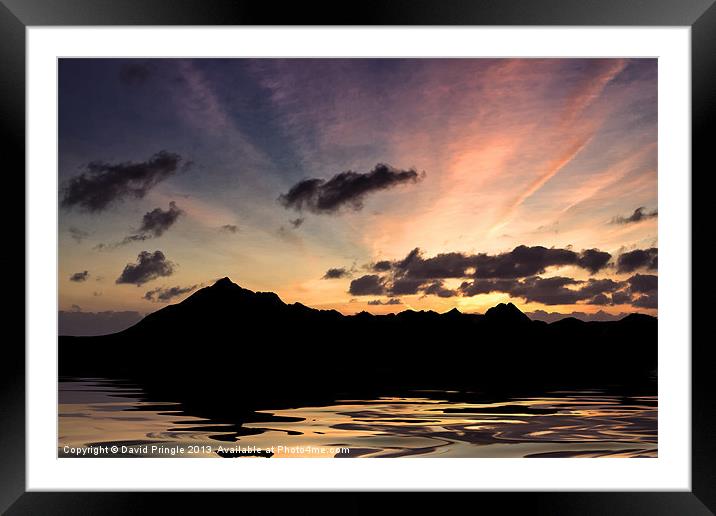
253 347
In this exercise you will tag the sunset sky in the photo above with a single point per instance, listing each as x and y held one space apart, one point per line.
500 172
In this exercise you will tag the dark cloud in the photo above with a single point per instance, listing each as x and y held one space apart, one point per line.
126 240
621 298
391 301
557 290
78 323
447 265
154 224
525 261
516 273
593 260
229 228
405 286
346 189
594 287
381 266
149 266
77 234
482 286
132 74
296 223
164 295
521 262
336 273
412 257
157 221
647 301
102 184
368 285
548 291
643 283
436 288
638 259
637 216
79 276
600 299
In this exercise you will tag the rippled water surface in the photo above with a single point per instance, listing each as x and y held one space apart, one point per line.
99 414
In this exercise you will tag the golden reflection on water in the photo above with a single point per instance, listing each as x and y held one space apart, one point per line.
431 423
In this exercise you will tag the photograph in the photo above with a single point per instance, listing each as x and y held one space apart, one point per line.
353 257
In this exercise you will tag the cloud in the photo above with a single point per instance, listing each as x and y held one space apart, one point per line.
391 301
336 273
102 184
76 322
621 298
149 266
638 259
594 287
557 290
346 189
229 228
436 288
405 286
600 299
521 262
525 261
296 223
157 221
647 301
643 283
164 295
368 285
77 234
548 291
132 74
477 287
381 266
593 260
446 265
79 276
637 216
154 224
517 273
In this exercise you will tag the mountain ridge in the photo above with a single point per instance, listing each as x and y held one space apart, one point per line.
224 293
225 341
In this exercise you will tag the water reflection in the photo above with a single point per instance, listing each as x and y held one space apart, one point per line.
95 412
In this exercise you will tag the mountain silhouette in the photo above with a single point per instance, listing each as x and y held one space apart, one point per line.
225 342
506 313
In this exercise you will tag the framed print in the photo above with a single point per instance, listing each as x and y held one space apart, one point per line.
424 240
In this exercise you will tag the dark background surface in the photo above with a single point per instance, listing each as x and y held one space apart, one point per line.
369 12
16 14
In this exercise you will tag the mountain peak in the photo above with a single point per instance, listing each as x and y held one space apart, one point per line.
223 282
506 312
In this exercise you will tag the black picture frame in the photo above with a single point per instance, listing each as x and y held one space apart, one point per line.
17 15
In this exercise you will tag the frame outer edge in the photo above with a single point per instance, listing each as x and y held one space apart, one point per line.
12 374
369 12
703 123
701 14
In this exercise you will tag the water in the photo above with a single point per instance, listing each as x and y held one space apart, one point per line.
96 414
